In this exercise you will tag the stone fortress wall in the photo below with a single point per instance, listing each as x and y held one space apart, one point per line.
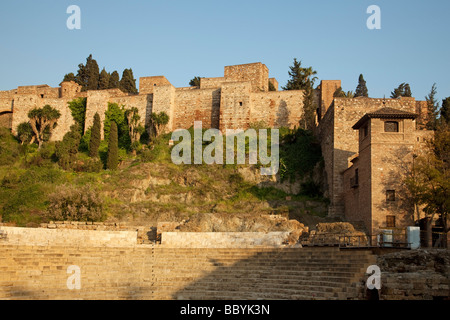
235 101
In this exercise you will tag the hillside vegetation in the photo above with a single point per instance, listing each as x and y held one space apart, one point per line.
147 187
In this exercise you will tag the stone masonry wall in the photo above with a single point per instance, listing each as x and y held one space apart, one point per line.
235 106
197 105
256 73
277 108
69 237
223 239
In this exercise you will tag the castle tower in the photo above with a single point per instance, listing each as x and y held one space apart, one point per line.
373 184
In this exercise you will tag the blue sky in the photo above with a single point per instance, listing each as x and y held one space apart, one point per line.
183 39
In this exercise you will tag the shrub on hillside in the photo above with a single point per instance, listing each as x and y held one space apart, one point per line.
72 203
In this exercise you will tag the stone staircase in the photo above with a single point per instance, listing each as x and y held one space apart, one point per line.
307 273
153 272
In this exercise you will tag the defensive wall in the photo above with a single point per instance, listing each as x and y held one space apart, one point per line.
235 101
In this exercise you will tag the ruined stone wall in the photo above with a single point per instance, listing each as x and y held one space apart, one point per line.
277 108
413 275
197 105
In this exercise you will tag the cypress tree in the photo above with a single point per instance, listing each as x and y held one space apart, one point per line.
103 81
114 80
113 148
94 143
361 89
128 83
88 74
67 149
445 111
432 108
93 72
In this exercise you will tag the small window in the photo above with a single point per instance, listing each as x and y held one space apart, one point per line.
390 195
365 131
42 96
240 103
390 126
390 221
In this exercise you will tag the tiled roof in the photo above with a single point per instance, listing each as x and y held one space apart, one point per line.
386 113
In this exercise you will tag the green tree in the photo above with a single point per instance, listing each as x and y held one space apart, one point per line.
94 142
159 122
361 88
429 182
134 127
114 80
403 90
195 82
78 110
432 108
116 113
300 78
70 77
303 79
103 81
67 149
128 83
88 74
25 133
445 111
113 148
43 121
339 93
